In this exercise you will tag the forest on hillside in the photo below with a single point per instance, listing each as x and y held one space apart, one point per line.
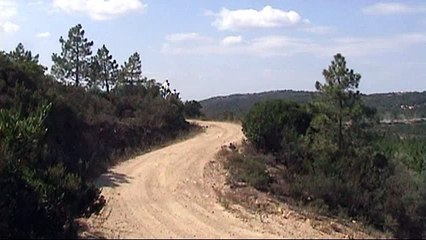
390 106
331 154
60 130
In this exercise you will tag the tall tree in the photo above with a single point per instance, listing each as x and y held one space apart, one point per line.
340 94
108 68
131 72
72 64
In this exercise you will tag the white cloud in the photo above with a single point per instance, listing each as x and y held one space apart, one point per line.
231 40
179 37
8 10
263 46
99 9
268 17
35 3
318 29
375 45
10 27
279 45
387 8
43 34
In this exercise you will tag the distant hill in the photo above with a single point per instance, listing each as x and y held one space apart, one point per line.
399 105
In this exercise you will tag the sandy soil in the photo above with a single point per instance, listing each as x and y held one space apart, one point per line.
165 194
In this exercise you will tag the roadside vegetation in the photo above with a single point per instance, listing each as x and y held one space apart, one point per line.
59 131
333 155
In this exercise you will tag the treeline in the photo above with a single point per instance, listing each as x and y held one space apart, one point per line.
235 107
332 157
390 106
58 131
76 65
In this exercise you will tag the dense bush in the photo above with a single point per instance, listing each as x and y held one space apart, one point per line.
193 109
54 139
38 198
269 123
110 124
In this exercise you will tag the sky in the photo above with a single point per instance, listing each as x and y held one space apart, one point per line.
212 48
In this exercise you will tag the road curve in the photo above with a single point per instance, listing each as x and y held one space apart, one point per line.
162 194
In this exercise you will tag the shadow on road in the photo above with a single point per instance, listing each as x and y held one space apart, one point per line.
112 179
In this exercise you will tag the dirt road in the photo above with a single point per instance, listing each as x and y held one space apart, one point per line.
162 194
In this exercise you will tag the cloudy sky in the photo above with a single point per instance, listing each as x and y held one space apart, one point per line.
216 47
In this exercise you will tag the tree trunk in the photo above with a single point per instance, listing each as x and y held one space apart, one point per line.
107 85
340 118
77 68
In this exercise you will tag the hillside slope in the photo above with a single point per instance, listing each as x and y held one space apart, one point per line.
389 105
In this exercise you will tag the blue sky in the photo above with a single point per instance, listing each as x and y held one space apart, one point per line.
215 47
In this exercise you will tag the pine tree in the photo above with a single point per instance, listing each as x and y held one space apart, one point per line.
341 97
72 65
21 55
94 73
108 74
26 60
131 72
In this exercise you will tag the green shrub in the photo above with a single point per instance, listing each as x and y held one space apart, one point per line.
269 123
193 109
37 199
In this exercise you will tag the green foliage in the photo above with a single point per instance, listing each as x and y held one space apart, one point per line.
344 155
390 106
340 101
21 55
20 135
131 71
411 151
25 59
72 64
38 198
55 138
236 106
105 69
336 158
193 109
268 123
